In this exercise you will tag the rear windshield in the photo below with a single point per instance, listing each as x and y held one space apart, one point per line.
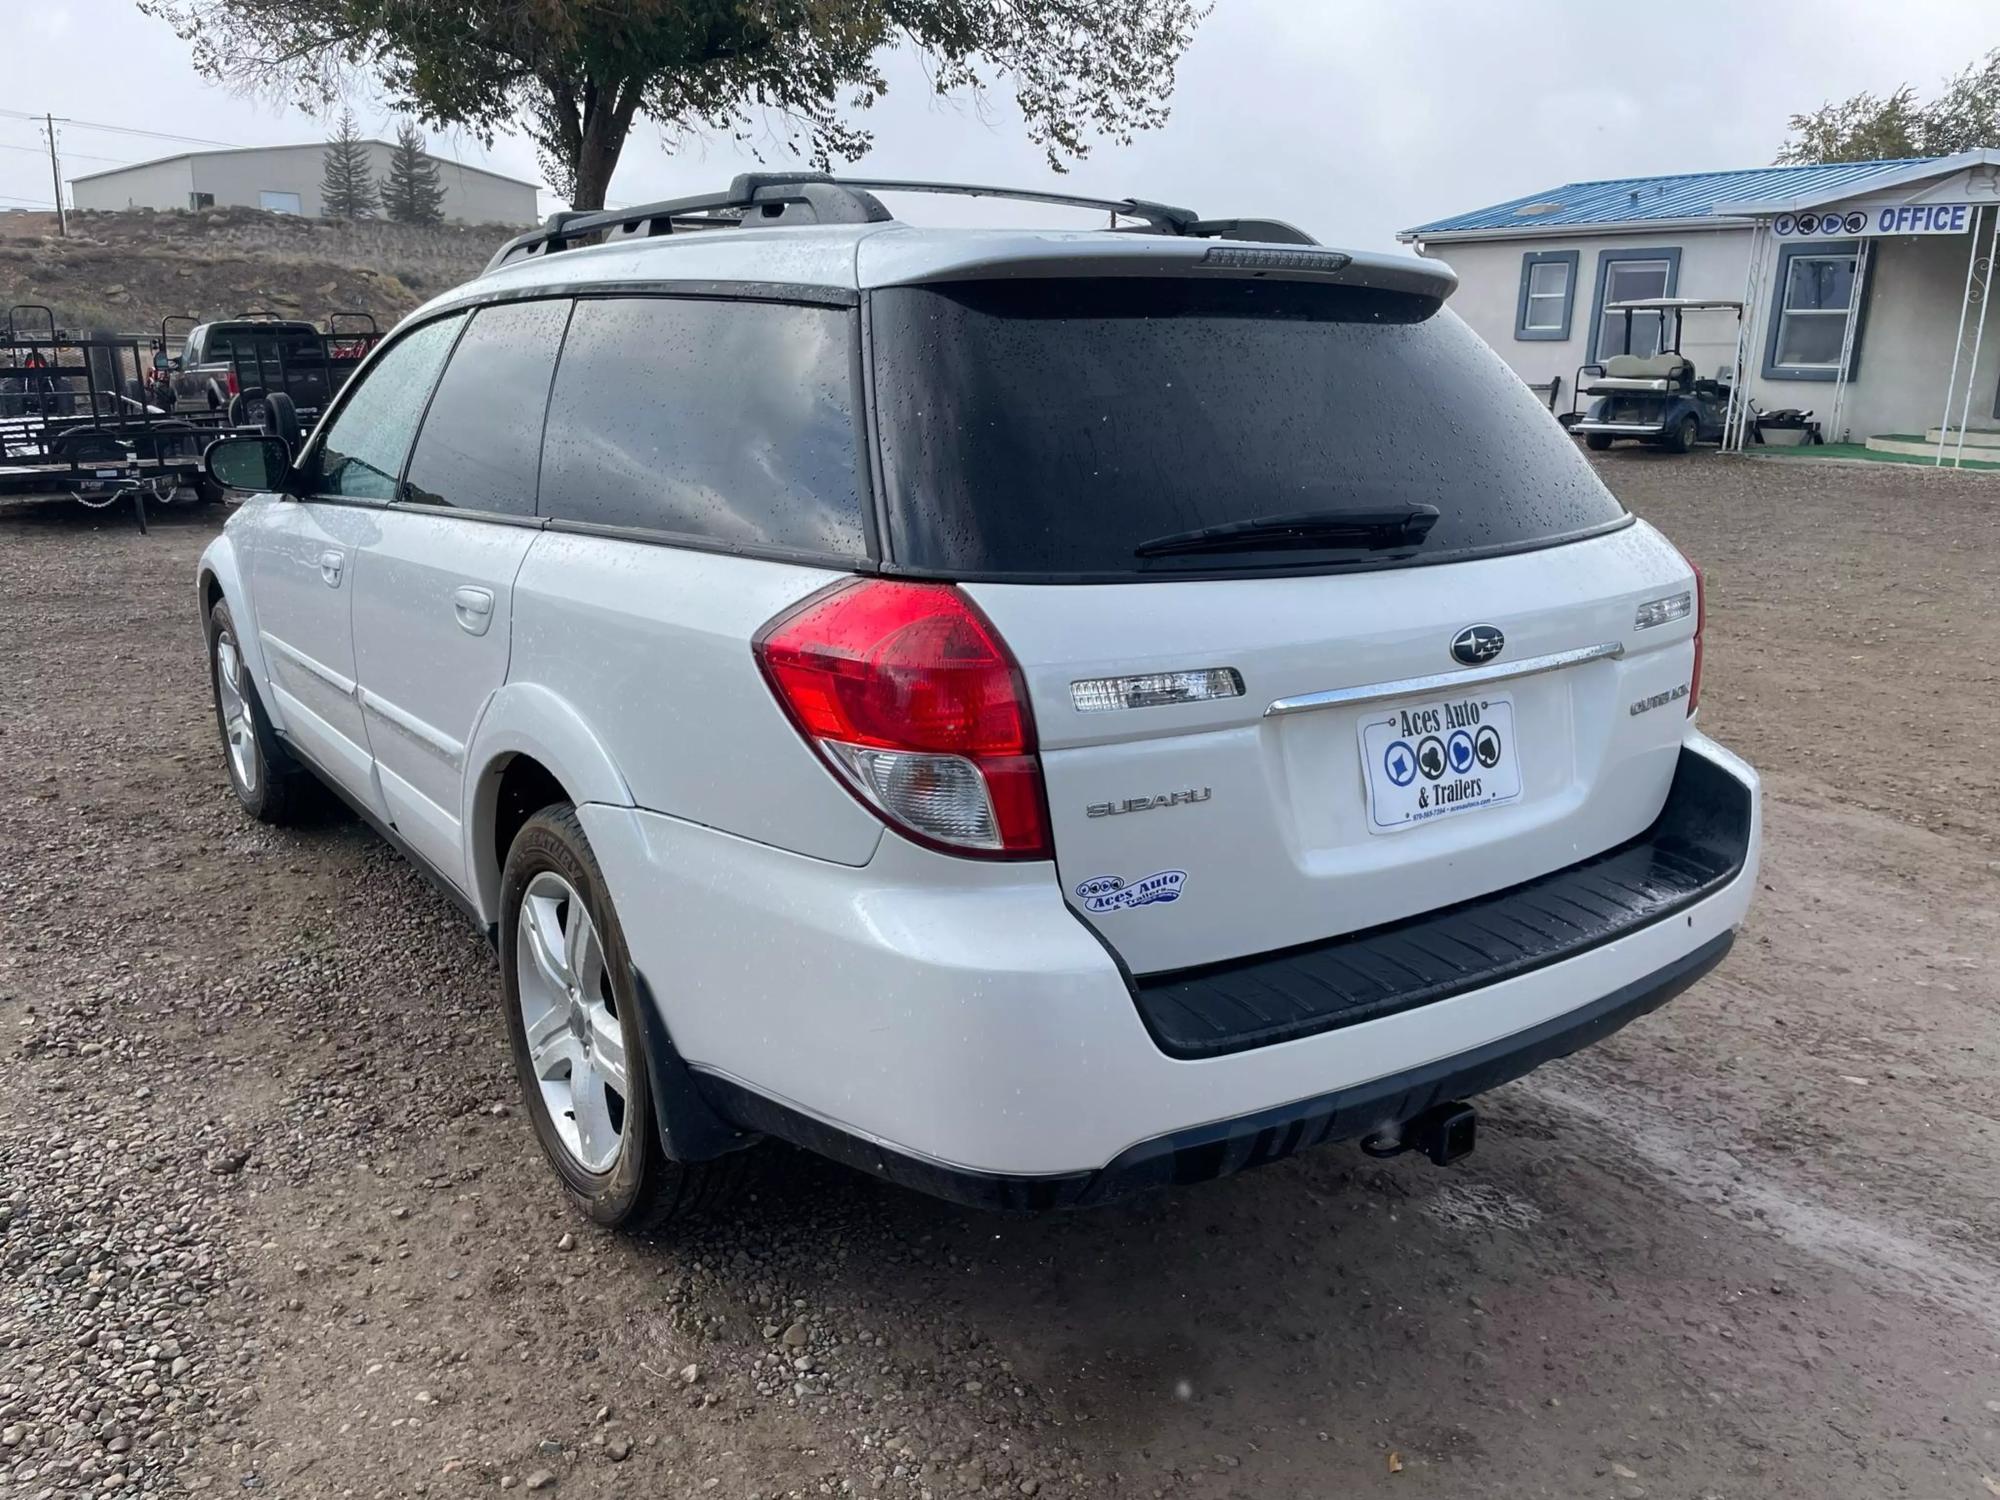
1050 428
293 344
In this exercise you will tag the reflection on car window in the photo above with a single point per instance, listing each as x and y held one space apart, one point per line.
482 436
727 421
363 451
1050 427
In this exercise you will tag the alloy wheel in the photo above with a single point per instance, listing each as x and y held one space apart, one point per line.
569 1015
239 732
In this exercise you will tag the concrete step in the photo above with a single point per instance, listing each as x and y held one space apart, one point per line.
1976 436
1907 443
1910 444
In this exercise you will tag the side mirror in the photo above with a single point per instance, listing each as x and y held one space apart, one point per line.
162 360
255 464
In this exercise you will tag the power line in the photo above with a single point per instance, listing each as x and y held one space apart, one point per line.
116 161
161 135
31 202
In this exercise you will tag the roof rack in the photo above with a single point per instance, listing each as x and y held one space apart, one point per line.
756 200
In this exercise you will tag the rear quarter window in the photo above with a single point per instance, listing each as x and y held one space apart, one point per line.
1049 428
729 422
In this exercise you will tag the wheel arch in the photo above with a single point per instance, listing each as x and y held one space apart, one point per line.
219 578
529 740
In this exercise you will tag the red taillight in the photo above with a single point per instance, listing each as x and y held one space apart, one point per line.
234 388
1700 619
914 699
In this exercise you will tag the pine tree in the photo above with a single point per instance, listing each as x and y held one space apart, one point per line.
413 192
346 187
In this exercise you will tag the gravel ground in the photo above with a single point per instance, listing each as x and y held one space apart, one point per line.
268 1222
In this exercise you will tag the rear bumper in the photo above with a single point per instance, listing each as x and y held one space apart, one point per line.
1694 848
953 1025
1203 1152
1622 429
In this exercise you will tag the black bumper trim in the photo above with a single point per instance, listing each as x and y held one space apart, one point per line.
1224 1147
1695 846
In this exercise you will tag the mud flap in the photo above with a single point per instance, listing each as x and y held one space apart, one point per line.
690 1129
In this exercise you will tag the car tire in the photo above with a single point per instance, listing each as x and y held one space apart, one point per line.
272 786
88 445
248 408
1686 432
586 1067
281 419
1597 442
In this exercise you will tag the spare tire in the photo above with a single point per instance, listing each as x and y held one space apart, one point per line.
281 419
85 445
247 407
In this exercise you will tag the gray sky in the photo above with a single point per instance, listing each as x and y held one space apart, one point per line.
1351 120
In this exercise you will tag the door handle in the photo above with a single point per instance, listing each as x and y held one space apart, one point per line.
330 565
474 608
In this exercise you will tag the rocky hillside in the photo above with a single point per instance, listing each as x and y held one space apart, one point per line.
125 271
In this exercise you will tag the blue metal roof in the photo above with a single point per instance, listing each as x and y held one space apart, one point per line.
1629 200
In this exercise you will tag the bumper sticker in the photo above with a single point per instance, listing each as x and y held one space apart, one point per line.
1102 893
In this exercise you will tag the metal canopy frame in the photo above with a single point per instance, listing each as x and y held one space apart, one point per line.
1680 307
1848 334
1978 290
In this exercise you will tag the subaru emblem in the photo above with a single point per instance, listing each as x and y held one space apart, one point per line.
1477 643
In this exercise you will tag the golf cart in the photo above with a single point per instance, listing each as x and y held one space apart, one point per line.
1655 398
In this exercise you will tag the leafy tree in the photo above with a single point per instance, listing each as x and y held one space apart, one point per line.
1966 116
578 73
1870 127
412 193
347 186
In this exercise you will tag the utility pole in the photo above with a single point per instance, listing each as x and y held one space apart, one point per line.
55 176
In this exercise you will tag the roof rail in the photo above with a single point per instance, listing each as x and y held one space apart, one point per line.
774 199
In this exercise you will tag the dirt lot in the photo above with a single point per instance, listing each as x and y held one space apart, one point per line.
270 1227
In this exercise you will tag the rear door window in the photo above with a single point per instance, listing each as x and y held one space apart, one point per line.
729 422
482 437
1052 428
364 448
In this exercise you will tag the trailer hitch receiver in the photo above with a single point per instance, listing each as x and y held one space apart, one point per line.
1444 1133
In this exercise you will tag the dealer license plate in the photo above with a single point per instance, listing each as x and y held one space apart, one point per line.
1434 760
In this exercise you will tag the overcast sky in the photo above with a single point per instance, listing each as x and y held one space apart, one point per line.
1351 120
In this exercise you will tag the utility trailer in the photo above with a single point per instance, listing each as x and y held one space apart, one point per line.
75 419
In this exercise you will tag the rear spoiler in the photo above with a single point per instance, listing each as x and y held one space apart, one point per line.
893 260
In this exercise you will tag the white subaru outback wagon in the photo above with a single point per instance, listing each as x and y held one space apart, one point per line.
1033 715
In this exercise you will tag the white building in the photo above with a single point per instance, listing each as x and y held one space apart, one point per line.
1886 262
286 179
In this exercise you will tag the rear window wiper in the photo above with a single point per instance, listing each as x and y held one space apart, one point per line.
1389 526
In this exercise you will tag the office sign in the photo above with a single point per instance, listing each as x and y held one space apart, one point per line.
1875 221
